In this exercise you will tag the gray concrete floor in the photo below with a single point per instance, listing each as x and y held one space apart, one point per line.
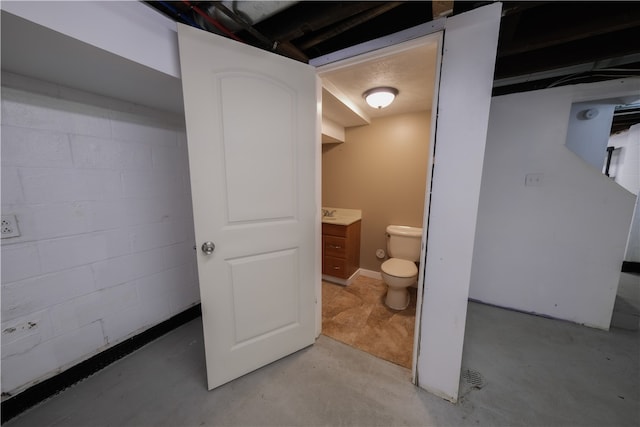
626 311
536 372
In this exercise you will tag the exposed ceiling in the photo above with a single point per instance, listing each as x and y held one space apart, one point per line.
541 43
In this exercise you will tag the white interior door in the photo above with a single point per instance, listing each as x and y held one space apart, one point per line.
252 136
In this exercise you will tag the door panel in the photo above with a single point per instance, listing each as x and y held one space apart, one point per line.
258 189
252 136
271 279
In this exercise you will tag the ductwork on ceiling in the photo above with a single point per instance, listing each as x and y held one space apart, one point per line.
299 30
542 44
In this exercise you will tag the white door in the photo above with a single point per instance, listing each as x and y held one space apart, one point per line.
252 136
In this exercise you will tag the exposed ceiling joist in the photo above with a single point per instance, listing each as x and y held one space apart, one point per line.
537 38
442 8
348 24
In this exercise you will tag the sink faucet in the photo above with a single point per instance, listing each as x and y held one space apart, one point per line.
326 212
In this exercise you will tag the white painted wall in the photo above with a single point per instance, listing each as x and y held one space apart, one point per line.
554 249
100 188
625 169
139 28
470 42
588 137
73 44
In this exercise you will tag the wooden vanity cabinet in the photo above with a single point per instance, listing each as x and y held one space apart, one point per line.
340 249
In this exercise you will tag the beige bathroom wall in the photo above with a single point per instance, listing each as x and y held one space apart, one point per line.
381 169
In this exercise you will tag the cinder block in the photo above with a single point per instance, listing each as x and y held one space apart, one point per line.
31 295
77 345
129 267
110 214
60 219
185 296
142 129
35 148
92 179
22 334
123 324
164 283
11 187
19 262
150 236
179 254
35 111
18 370
148 184
81 311
168 158
102 153
65 317
155 309
147 210
63 253
62 185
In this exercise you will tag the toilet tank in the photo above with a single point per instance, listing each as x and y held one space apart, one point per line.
404 242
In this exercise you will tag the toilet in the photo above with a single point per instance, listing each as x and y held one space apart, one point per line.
400 270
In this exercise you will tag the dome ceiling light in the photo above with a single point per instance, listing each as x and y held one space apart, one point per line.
380 97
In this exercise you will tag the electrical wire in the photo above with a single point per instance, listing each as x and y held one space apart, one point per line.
215 22
580 76
173 10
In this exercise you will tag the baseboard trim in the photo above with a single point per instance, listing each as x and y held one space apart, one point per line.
371 273
630 267
47 388
339 281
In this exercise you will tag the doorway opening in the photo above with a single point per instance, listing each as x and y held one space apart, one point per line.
378 162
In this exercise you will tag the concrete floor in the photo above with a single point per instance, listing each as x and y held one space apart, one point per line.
626 311
536 371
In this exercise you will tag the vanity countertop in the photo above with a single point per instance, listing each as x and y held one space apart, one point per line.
340 216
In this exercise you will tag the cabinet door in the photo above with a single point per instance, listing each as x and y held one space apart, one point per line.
336 267
335 246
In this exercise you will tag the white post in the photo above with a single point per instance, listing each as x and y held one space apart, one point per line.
470 42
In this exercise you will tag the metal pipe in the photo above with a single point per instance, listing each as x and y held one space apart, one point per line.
215 22
173 10
285 48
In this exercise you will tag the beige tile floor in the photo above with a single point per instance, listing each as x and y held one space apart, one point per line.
356 315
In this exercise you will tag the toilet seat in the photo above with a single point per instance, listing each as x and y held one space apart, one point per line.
399 268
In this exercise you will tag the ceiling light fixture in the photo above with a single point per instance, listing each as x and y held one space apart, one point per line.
380 97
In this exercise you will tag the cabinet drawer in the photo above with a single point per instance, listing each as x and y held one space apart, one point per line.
335 246
334 267
334 230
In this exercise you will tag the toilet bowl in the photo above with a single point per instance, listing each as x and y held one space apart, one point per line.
398 274
400 271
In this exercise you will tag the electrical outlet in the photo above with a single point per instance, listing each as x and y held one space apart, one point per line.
9 226
533 180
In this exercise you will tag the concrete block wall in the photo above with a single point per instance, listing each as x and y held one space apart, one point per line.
100 189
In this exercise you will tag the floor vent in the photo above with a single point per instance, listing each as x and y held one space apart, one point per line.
473 378
470 380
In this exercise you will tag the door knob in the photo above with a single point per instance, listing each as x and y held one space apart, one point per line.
208 248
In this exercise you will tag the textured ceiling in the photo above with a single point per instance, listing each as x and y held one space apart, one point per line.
411 71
